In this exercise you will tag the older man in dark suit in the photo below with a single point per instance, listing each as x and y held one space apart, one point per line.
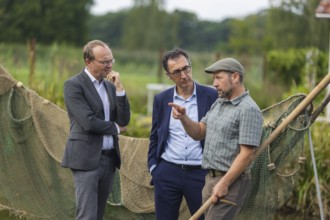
98 110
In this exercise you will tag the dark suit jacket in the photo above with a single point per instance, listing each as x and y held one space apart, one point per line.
87 125
161 118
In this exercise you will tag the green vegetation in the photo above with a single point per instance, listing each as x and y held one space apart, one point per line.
44 21
146 25
304 198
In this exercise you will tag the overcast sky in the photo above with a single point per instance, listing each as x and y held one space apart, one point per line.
215 10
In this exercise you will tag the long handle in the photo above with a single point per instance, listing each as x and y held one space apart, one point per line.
202 209
206 205
307 100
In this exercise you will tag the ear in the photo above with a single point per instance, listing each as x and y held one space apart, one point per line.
88 62
236 77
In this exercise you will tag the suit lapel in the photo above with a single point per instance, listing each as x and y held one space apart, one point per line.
201 101
167 109
91 88
110 97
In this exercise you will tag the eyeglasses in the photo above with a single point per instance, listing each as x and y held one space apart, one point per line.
186 69
106 62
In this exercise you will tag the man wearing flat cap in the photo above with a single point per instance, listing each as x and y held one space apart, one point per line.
232 129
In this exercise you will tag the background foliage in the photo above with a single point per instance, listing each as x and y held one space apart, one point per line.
46 21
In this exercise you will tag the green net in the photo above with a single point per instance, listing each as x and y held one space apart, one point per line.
33 132
276 169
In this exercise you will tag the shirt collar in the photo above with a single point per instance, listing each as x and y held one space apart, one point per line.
236 100
92 78
176 95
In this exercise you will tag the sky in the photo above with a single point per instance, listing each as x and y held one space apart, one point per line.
212 10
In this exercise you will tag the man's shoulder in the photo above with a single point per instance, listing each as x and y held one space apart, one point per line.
249 105
248 100
75 77
210 90
166 92
78 77
204 87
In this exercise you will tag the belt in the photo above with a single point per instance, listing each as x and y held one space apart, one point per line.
215 173
186 167
109 153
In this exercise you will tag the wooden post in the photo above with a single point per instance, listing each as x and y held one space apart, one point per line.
32 58
160 66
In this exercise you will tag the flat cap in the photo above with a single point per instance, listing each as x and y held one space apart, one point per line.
226 64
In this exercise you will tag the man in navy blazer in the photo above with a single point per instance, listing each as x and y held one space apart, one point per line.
98 111
174 158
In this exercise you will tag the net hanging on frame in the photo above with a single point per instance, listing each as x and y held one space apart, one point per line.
33 132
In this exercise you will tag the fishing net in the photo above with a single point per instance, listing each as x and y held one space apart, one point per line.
33 132
275 171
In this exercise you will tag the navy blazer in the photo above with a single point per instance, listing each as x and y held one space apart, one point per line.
87 124
161 114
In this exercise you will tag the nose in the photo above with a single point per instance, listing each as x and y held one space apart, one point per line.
183 74
215 83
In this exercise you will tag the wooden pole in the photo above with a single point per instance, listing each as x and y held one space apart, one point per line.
32 59
307 100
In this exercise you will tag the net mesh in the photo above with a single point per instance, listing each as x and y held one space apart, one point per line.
33 132
276 169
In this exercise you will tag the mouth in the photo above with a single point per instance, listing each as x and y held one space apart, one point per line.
185 82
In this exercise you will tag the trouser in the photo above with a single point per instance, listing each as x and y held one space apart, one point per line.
93 188
237 193
171 183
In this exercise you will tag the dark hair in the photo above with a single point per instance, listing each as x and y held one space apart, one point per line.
172 54
88 49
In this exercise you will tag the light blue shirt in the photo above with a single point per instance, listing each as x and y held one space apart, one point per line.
100 88
180 147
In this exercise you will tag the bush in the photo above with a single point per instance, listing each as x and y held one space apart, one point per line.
304 197
296 66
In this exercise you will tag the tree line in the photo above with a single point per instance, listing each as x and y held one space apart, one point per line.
147 26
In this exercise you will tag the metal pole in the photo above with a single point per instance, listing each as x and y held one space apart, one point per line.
317 185
328 87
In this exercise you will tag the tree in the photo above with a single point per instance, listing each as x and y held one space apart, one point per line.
145 25
247 36
108 28
292 24
45 21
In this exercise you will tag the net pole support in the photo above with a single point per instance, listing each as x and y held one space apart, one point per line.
307 100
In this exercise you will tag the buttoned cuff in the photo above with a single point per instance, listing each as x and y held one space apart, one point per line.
121 93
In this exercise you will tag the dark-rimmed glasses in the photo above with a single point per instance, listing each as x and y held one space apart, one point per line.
176 73
106 62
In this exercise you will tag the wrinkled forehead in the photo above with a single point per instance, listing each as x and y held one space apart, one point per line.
101 52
